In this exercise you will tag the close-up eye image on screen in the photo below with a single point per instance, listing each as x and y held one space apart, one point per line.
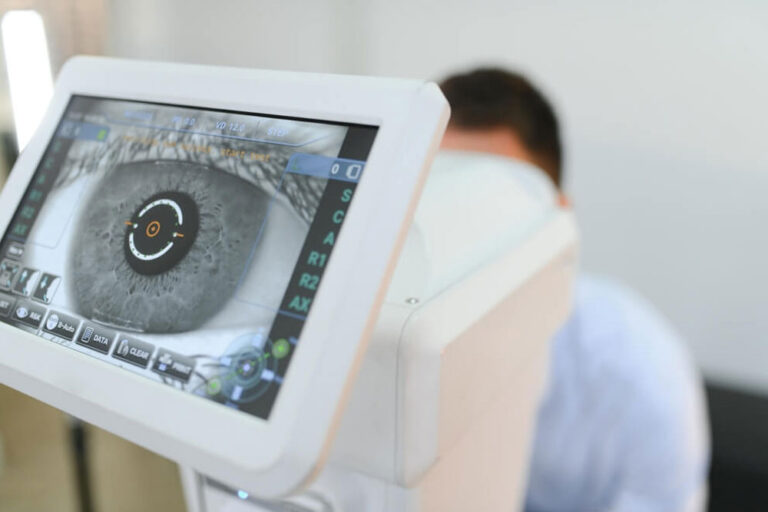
180 243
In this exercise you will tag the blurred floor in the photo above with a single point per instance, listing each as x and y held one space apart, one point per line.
36 475
126 478
39 472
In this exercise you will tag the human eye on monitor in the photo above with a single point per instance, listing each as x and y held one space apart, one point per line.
171 230
163 244
190 237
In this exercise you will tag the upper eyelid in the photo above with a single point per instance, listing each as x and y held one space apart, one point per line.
265 175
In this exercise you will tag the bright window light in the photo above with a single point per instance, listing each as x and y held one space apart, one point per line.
29 70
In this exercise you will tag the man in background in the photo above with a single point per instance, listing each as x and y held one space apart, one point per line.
622 425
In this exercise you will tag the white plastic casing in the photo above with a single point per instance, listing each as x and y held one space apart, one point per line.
442 413
274 457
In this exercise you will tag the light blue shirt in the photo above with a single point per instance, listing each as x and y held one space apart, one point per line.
622 427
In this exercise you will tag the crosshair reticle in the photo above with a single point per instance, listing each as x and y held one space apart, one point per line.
161 232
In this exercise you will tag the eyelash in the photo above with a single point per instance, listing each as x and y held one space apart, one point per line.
303 197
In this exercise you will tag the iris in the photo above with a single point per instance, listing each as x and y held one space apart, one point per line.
206 221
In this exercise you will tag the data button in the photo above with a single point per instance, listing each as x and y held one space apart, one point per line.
96 338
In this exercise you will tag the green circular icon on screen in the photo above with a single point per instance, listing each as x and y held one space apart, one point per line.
214 386
280 348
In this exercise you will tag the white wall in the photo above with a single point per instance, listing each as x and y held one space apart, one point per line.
664 106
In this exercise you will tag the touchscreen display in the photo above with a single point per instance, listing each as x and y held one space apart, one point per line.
179 243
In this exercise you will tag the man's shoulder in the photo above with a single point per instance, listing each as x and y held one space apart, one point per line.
619 372
609 314
603 297
614 332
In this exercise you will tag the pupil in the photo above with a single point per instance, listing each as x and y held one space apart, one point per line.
161 232
153 229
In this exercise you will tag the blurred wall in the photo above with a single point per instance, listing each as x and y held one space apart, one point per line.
71 26
663 103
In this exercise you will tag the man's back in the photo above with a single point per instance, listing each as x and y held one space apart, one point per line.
622 424
622 427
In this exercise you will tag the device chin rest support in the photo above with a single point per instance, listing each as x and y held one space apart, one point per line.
474 208
440 416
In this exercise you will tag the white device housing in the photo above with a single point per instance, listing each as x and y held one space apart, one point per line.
277 456
443 409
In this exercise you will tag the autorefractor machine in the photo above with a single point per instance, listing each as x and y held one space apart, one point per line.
238 270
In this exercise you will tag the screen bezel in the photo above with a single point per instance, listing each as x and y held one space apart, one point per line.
270 457
361 149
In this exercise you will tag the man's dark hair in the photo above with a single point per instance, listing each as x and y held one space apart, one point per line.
492 98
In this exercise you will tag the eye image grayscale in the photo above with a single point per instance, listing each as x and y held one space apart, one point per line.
166 240
160 250
172 222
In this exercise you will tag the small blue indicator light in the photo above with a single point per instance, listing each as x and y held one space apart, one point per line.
242 495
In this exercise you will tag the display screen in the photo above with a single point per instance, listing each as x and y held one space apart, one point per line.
179 243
